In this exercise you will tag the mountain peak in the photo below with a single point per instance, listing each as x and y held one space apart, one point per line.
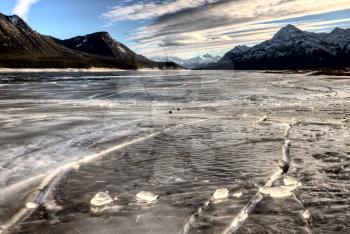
339 30
290 27
100 33
288 32
14 19
240 49
17 21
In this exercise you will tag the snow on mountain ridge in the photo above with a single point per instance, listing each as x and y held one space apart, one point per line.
190 63
291 48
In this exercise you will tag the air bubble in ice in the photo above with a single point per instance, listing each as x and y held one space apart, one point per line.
277 192
220 194
31 205
52 206
101 199
306 214
149 197
237 194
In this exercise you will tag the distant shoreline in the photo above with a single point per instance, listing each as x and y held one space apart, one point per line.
28 70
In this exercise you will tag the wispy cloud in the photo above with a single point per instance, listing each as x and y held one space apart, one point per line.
22 8
189 26
146 10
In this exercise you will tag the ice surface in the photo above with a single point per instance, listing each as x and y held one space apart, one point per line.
53 122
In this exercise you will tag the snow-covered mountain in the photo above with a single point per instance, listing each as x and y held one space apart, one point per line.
292 48
191 63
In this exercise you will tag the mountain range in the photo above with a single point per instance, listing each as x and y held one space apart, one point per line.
22 47
191 63
291 48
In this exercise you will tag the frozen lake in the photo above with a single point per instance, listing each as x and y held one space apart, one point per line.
180 135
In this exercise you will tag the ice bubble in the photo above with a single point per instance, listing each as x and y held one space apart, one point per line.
306 214
220 194
144 196
31 205
101 199
237 194
290 181
277 192
179 180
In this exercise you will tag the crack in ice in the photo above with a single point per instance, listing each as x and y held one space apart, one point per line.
52 178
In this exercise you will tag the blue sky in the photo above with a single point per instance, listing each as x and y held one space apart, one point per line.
184 28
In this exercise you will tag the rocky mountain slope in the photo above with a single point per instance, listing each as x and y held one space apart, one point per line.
22 47
101 43
291 48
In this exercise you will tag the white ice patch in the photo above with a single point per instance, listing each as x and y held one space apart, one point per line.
52 206
149 197
221 194
237 194
290 181
278 192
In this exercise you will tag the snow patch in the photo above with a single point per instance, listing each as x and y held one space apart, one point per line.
14 19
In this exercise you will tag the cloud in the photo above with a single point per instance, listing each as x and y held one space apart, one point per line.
22 8
189 26
142 10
